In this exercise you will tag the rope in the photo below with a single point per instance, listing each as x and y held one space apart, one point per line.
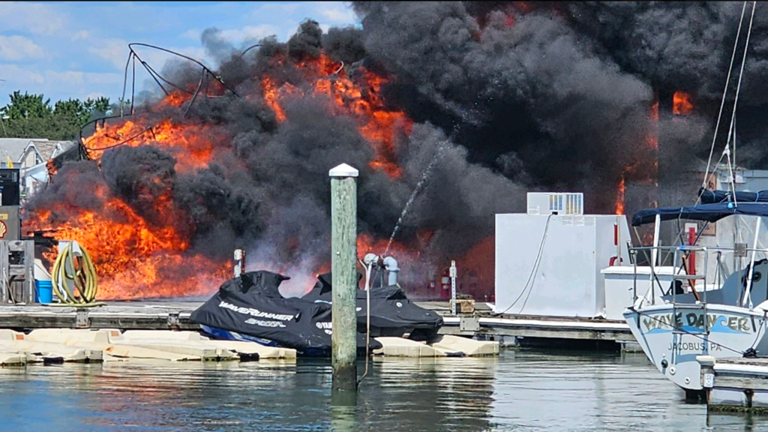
738 88
367 318
722 101
82 278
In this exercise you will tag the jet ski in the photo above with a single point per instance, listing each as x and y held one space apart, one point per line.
250 307
392 313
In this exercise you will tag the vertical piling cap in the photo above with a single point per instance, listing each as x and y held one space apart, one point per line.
343 170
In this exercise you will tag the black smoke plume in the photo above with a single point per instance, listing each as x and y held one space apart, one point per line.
508 97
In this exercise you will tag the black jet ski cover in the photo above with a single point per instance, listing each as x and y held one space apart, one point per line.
252 305
392 313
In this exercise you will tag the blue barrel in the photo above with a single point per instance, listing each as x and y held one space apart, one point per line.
43 292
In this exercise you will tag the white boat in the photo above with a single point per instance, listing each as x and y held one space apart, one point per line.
724 320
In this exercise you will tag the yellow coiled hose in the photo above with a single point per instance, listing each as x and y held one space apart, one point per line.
83 279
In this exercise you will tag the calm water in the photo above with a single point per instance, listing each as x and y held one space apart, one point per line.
519 391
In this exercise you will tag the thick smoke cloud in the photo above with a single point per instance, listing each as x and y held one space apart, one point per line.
505 98
683 46
523 87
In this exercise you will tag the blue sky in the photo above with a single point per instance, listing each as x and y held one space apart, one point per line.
78 49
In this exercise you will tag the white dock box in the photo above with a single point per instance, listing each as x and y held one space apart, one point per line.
549 265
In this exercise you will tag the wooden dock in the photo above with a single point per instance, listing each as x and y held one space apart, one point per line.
174 315
735 384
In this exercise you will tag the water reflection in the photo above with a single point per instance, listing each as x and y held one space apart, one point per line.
430 394
519 391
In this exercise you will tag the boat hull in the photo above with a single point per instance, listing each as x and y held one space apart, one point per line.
672 336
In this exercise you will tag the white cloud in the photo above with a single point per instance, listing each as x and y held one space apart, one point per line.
18 77
193 34
337 13
82 34
33 18
18 48
248 33
68 77
237 36
93 95
15 76
58 84
290 30
156 59
114 51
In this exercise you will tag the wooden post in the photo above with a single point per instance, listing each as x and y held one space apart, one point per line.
344 275
707 364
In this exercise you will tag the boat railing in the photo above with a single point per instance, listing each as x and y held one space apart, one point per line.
682 272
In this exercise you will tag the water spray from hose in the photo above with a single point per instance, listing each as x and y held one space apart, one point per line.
422 181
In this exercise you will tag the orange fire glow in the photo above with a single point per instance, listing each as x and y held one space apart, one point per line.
620 197
682 104
366 243
378 125
145 253
175 99
133 258
270 96
191 145
476 269
652 137
644 168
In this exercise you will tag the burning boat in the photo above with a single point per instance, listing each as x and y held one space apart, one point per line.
176 181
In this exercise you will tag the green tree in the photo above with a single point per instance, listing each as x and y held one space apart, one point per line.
25 106
31 116
97 106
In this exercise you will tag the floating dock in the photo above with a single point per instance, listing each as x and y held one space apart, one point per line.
481 323
89 346
735 384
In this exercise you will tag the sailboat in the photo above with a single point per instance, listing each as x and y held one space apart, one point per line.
726 318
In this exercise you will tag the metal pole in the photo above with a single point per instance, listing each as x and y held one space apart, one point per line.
453 288
633 255
344 275
656 240
747 292
654 255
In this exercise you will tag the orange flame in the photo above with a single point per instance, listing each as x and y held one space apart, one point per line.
133 258
655 111
682 103
270 96
653 134
645 166
175 99
620 197
378 125
189 144
145 252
